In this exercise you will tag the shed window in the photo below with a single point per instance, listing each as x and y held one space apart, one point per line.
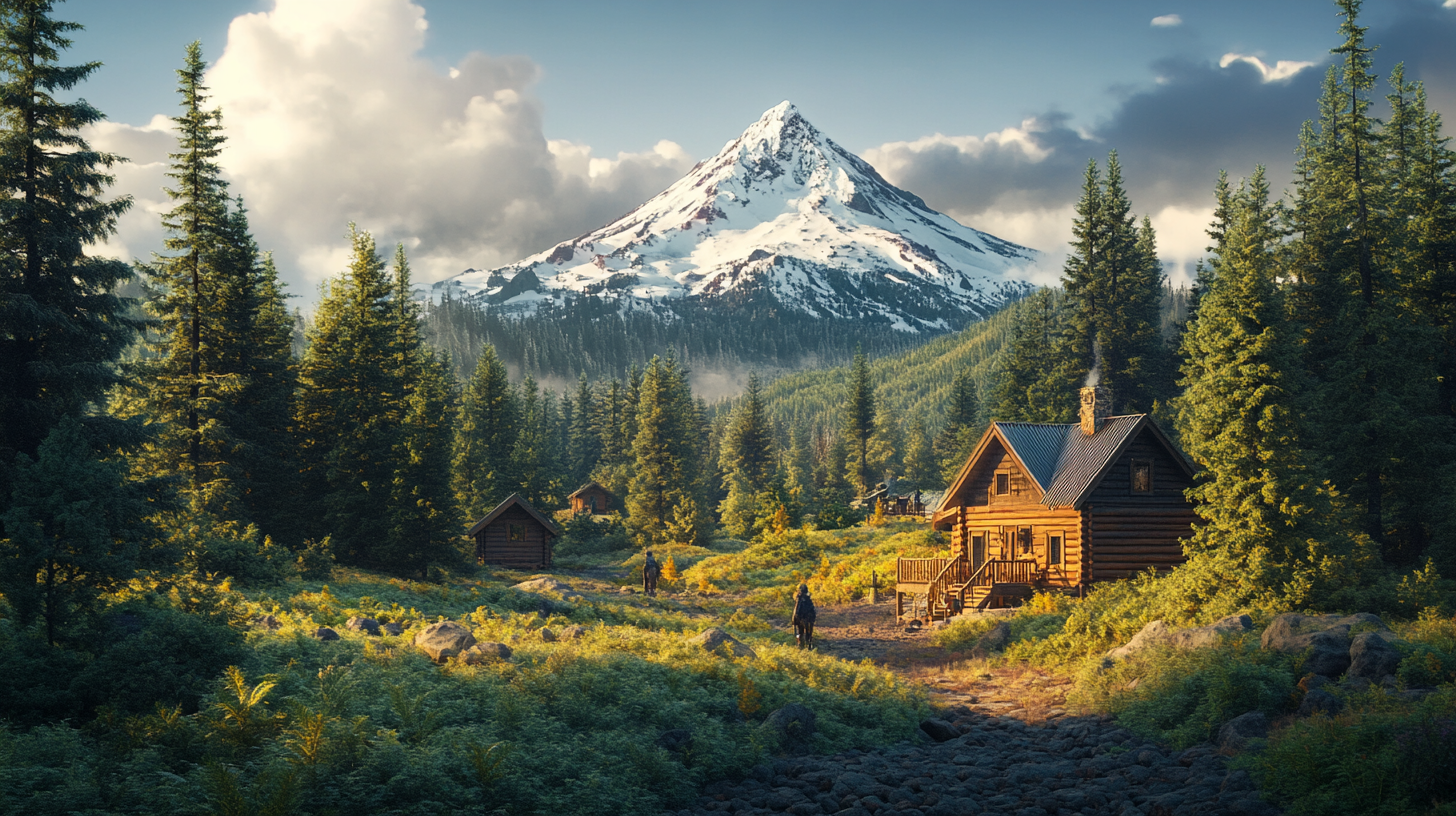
1054 549
1142 476
1023 535
517 532
1003 483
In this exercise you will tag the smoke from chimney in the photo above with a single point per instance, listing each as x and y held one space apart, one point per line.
1095 375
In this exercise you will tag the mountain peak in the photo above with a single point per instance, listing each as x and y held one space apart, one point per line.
784 213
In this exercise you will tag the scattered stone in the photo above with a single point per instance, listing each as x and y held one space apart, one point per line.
392 629
1319 700
324 633
1325 637
1372 657
1237 732
790 728
1153 633
993 641
485 652
939 730
547 636
268 622
444 640
1203 637
675 741
368 626
627 591
572 633
712 639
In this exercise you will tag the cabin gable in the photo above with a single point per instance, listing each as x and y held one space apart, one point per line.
514 535
1148 472
993 477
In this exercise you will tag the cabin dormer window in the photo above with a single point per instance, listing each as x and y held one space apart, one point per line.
1142 476
517 532
1003 484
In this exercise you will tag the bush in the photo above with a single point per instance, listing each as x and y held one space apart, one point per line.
315 562
582 534
1375 758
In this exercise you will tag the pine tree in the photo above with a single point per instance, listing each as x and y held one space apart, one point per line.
859 419
482 474
1239 416
921 468
584 445
665 475
748 448
61 326
73 529
351 407
1040 371
426 524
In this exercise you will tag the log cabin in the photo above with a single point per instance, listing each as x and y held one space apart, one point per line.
1053 507
514 535
591 498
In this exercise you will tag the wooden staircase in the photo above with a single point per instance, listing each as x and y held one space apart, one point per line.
931 589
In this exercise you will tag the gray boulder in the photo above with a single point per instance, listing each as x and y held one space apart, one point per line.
547 636
444 640
711 640
368 626
1372 657
324 633
939 730
993 641
1237 732
1155 632
393 629
546 585
1325 637
268 622
1203 637
485 653
1317 701
790 729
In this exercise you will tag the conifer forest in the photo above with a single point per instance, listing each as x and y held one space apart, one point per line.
197 482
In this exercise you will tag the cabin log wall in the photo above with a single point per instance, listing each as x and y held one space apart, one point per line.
493 544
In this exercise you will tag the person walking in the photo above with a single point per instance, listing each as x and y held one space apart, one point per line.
803 619
650 572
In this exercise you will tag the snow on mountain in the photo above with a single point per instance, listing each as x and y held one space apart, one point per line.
785 213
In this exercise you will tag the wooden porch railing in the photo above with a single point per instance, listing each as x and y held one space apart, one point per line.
918 570
947 580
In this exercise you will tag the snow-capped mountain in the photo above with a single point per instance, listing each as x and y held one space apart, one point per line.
781 212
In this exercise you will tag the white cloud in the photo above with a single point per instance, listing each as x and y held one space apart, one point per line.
1283 69
1182 236
1167 21
333 116
1450 4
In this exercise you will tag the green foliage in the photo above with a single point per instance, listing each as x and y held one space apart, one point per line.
61 321
588 535
315 561
858 418
1374 758
1185 697
668 459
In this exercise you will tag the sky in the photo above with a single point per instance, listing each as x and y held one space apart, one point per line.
478 132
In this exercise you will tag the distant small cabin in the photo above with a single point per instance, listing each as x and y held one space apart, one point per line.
591 498
515 535
1042 506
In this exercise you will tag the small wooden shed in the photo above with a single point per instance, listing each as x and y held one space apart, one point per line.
591 498
514 534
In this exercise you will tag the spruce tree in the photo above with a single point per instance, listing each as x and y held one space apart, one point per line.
748 449
426 525
859 419
584 447
61 325
351 405
482 474
665 474
1040 371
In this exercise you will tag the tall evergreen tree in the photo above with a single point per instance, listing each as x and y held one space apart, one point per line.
748 445
426 525
665 474
61 326
482 474
859 419
921 467
351 405
1040 371
584 446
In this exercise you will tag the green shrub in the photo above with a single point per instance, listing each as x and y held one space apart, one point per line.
1185 697
583 534
1426 666
315 562
1378 757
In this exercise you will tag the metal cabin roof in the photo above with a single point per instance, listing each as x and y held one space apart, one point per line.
588 486
1038 445
1083 458
516 499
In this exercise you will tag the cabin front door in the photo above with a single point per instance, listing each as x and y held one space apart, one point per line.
978 550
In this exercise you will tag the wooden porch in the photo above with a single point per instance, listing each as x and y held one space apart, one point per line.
931 589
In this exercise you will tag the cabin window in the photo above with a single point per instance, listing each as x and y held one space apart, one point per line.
1054 549
1142 476
593 503
1003 484
516 532
1023 536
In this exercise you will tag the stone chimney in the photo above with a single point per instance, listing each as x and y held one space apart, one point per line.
1096 406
